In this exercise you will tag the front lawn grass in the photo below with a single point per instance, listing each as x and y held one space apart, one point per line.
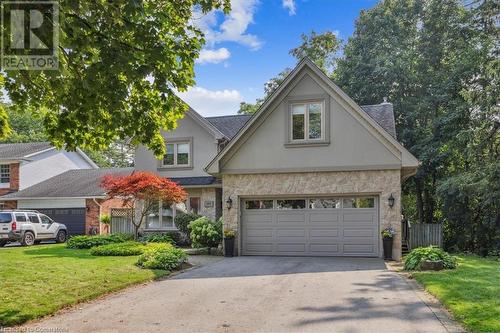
471 292
39 280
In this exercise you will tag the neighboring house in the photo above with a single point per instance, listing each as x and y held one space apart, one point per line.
74 197
311 173
25 164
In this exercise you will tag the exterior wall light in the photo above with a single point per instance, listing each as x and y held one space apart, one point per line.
229 203
391 201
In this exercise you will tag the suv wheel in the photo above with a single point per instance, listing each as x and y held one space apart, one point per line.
28 239
61 236
3 243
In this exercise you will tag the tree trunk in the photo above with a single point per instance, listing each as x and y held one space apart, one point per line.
420 204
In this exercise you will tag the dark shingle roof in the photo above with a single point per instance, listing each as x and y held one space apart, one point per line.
193 181
72 183
383 114
20 150
229 125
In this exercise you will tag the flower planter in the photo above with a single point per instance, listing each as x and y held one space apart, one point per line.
228 247
387 248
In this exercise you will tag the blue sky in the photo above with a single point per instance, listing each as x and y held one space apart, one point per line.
250 45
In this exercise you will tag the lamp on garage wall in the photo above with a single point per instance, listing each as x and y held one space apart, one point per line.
229 203
391 201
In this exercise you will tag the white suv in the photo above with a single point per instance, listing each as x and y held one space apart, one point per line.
29 227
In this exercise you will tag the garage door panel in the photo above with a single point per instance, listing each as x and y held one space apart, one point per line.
73 218
289 218
357 216
358 232
324 248
313 231
322 218
285 247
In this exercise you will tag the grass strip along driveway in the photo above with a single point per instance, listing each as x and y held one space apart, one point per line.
471 292
40 280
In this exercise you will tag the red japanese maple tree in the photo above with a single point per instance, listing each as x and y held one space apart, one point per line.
141 191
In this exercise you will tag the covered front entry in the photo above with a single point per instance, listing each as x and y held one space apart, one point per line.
312 226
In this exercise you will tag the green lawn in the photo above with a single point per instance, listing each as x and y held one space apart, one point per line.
471 292
40 280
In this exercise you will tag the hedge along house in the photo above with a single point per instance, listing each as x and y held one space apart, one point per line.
311 173
74 197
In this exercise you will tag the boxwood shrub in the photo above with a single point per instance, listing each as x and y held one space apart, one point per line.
119 249
87 242
157 238
432 253
161 256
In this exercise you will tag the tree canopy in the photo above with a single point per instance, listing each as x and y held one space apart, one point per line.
120 63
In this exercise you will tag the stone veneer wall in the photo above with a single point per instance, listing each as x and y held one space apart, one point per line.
382 183
206 194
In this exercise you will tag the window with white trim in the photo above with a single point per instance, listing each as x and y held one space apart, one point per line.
307 121
178 155
4 173
162 215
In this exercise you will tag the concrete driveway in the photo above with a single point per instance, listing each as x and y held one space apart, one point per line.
262 294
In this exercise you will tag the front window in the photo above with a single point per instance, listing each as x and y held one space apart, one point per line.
162 215
4 173
178 154
307 121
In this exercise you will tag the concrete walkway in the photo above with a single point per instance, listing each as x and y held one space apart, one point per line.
262 294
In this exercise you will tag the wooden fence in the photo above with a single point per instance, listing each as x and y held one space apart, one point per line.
121 222
425 234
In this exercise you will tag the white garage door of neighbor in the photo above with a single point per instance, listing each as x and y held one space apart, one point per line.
333 226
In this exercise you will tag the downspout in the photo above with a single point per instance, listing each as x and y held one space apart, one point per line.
100 208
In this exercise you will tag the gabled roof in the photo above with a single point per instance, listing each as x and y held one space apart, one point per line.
13 151
387 139
229 125
203 122
78 183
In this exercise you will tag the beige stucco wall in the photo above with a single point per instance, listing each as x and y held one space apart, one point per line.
381 183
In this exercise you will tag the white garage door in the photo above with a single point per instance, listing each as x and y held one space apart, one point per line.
335 226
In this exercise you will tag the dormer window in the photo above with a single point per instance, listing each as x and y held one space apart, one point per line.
179 155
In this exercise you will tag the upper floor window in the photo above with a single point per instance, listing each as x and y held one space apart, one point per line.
307 121
178 155
5 173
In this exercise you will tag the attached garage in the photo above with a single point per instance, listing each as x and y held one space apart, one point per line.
73 218
321 226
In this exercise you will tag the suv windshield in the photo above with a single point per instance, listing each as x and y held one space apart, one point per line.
5 217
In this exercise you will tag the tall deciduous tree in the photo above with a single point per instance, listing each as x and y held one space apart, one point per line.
141 191
120 63
322 49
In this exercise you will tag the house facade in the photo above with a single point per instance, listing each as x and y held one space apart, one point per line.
310 174
25 164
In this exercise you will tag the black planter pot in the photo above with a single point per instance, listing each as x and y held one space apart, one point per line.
388 248
228 247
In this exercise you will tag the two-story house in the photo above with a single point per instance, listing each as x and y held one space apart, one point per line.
311 173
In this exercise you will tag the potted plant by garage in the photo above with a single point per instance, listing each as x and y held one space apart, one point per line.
388 238
229 236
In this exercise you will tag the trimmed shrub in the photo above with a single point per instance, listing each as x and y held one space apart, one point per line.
157 238
432 253
162 256
118 249
205 232
182 221
87 242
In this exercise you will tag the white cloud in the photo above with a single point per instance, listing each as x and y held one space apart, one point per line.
212 102
290 6
213 56
234 26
